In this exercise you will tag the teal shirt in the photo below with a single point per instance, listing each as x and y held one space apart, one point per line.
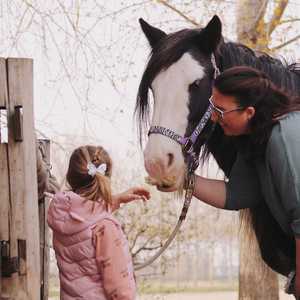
275 180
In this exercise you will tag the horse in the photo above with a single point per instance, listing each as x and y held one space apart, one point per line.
180 73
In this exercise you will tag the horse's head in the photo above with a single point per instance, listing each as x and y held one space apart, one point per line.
179 74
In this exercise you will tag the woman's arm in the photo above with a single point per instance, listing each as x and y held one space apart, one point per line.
210 191
242 190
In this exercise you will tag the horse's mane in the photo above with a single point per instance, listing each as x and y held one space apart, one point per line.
282 74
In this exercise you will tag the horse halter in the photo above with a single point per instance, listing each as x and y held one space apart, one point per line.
192 161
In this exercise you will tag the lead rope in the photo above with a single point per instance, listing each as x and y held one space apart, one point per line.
187 200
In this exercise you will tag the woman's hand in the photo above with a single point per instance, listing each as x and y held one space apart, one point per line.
134 193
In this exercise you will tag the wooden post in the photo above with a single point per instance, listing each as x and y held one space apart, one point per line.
24 242
44 231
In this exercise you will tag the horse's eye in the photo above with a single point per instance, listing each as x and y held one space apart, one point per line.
197 83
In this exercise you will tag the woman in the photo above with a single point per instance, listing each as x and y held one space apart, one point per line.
265 124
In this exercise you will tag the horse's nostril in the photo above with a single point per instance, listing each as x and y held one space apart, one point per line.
170 159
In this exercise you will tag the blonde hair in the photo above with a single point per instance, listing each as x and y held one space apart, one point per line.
95 187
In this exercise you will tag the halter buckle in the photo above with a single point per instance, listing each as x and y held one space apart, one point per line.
188 146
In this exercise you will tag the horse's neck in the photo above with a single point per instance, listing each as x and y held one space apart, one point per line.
234 55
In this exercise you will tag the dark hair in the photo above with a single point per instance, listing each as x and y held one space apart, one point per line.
251 87
90 187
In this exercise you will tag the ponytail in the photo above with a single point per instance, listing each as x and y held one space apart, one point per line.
95 187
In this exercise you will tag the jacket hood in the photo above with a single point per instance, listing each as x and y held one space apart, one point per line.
69 213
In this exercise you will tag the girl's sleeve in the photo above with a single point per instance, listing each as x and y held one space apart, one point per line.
283 159
243 188
114 262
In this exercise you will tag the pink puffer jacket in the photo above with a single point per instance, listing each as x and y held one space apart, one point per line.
82 276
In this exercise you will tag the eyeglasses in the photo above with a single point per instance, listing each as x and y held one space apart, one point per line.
219 112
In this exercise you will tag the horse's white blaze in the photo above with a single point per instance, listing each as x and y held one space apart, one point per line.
171 97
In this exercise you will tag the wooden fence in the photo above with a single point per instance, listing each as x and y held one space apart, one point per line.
22 265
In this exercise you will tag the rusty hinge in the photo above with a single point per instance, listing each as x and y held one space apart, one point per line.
9 265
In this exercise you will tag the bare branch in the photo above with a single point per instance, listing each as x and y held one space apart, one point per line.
289 21
19 26
286 43
187 18
114 13
67 16
134 254
138 234
77 15
145 248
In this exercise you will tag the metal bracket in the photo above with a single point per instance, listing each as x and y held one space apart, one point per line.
18 123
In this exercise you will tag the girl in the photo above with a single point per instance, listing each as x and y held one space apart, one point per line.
91 249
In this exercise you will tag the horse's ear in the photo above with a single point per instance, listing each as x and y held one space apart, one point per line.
211 35
154 35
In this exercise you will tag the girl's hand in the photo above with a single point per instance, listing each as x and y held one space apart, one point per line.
135 193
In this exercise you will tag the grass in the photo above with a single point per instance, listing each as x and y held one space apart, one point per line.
157 287
185 287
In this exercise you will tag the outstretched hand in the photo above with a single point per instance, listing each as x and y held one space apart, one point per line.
134 193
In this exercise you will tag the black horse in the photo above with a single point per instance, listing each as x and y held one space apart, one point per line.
180 73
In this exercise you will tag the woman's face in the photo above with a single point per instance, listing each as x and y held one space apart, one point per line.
232 118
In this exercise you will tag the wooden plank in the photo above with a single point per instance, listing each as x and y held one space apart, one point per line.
44 233
4 198
23 177
4 183
3 83
3 92
4 203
